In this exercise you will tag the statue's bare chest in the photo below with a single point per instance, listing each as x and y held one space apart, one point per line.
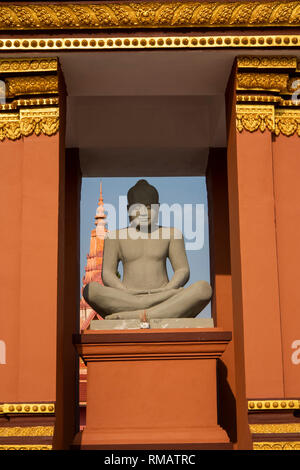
144 249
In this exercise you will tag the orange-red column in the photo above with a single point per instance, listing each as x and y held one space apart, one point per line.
11 158
286 158
29 244
254 264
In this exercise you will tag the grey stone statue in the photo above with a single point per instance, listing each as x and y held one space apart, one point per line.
145 292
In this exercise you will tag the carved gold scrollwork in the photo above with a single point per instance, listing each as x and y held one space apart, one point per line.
262 81
147 14
31 85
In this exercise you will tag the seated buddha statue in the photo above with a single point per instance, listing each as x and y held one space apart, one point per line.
145 292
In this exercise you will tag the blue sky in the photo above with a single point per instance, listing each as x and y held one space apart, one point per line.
172 190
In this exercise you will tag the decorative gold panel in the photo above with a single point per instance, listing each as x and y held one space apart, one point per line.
18 431
291 404
7 408
169 14
280 428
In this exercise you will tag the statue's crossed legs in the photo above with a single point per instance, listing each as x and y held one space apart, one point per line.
115 304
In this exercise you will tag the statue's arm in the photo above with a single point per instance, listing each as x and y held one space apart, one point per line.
110 264
178 259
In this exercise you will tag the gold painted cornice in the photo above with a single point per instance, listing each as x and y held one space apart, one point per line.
26 111
169 14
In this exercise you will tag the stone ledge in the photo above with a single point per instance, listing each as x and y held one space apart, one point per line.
134 324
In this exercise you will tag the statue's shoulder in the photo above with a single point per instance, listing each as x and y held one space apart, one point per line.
176 233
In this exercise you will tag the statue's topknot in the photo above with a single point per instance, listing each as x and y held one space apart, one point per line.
144 193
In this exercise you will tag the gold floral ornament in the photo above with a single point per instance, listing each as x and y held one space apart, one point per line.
287 122
29 121
253 118
149 14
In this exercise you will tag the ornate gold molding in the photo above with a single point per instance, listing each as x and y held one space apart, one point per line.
291 445
25 447
150 42
280 428
28 65
8 408
26 111
18 431
292 404
30 85
169 14
262 81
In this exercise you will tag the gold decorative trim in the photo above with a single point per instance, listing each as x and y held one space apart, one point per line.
265 99
27 122
170 14
28 65
281 428
27 431
29 85
25 447
269 62
291 445
291 404
251 118
262 81
153 42
287 122
29 102
25 408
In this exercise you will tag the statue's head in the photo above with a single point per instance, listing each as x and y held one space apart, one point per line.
143 203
